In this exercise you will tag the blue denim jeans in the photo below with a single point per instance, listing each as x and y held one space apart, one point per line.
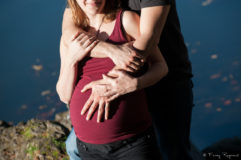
71 146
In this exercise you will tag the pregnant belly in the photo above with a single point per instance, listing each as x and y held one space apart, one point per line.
128 115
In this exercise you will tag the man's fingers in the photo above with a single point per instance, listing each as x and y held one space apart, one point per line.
134 67
107 110
100 111
91 110
138 61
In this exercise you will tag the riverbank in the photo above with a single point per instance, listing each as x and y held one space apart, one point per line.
45 140
35 139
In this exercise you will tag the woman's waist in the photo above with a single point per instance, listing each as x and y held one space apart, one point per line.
97 66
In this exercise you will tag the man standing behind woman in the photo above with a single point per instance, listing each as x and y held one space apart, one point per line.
170 100
125 132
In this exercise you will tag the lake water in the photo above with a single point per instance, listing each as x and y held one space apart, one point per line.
29 50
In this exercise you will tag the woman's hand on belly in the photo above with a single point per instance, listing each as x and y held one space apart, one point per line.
97 102
104 91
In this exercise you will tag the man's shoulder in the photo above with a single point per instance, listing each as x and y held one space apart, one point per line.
138 4
151 3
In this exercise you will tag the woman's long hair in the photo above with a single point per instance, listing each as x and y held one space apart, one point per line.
81 20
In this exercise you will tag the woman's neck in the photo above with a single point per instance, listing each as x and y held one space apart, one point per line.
95 21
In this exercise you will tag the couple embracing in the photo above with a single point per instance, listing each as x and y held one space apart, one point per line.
126 76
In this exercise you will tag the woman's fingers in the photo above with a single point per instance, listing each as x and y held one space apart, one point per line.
113 97
92 84
80 36
87 87
87 105
100 110
107 110
75 35
88 42
92 109
91 46
85 41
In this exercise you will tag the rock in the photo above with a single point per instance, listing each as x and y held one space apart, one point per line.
63 118
35 139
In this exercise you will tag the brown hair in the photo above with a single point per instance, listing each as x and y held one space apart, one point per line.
81 20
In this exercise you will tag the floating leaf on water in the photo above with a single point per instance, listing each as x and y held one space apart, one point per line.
42 107
224 79
48 98
219 109
227 102
54 73
234 82
24 106
236 88
37 67
46 115
208 105
46 92
215 76
237 99
214 56
235 63
198 43
206 2
37 60
193 51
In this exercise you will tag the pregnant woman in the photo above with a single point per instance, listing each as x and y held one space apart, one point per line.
127 133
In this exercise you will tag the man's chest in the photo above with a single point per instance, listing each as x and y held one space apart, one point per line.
132 4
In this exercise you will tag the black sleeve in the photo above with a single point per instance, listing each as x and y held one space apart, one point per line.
151 3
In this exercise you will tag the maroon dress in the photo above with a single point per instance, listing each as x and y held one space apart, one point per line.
129 114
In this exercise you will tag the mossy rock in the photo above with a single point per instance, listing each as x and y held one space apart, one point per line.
34 140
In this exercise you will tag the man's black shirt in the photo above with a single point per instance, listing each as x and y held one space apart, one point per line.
171 42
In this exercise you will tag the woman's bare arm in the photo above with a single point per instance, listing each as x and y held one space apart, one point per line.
79 47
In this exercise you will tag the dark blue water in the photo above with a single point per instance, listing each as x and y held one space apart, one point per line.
29 50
